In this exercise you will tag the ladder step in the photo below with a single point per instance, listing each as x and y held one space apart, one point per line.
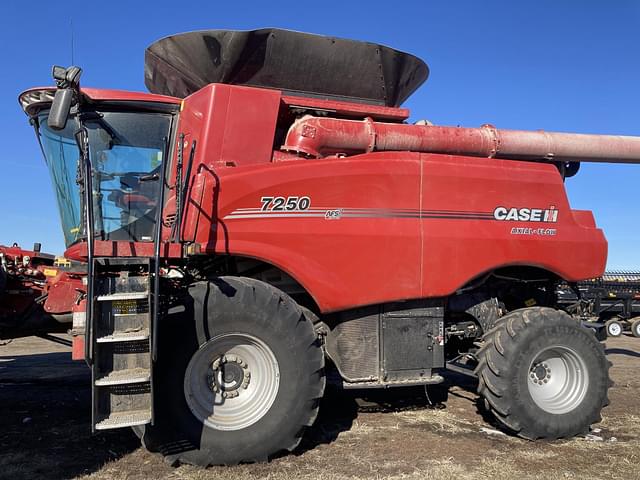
130 336
125 419
123 296
124 377
122 365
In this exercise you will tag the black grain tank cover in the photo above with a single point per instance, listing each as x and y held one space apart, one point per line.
296 63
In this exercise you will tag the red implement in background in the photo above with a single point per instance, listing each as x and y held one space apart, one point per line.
36 296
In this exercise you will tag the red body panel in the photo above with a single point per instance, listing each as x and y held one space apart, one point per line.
412 225
342 262
375 227
416 235
457 250
78 251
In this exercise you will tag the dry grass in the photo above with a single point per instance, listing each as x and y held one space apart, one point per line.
513 465
495 457
442 421
625 423
413 444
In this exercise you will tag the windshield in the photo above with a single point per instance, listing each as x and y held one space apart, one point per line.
126 151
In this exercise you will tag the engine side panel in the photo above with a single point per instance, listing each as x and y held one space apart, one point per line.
389 344
384 227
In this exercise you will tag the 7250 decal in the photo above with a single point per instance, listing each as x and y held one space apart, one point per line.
281 204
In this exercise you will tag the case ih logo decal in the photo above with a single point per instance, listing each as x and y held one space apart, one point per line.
526 214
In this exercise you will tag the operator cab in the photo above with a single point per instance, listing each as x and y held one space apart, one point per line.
128 143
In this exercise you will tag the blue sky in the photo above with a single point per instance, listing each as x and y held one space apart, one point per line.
555 65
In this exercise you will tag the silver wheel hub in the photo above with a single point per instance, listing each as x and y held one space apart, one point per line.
232 381
229 374
558 380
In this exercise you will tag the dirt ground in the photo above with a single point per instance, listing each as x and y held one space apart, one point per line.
45 432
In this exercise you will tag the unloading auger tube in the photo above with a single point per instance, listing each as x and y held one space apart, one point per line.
318 137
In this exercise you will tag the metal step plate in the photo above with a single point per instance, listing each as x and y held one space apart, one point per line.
132 336
124 377
125 419
123 296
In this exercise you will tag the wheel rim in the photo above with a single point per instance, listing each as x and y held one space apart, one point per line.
615 329
558 379
232 381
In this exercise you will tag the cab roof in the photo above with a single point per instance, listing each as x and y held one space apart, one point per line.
34 99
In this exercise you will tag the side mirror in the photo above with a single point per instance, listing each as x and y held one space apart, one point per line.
68 83
60 109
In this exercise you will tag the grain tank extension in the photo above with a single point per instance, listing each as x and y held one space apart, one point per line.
266 219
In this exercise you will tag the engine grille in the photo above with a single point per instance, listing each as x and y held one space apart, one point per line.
354 346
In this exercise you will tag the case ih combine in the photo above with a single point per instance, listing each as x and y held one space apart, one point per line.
266 215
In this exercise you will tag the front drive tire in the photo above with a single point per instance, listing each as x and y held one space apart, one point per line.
542 375
241 383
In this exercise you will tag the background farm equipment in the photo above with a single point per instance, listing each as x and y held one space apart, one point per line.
37 293
611 301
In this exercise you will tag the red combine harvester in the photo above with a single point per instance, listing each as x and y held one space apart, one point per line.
37 297
266 215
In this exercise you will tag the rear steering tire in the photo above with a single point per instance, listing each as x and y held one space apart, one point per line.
542 375
239 384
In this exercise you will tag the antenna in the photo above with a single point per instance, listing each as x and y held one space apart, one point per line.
71 25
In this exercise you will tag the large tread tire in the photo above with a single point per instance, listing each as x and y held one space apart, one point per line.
503 371
235 305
